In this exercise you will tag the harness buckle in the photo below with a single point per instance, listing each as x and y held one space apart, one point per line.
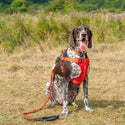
80 61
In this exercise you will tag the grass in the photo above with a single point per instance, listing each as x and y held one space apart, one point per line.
54 29
24 75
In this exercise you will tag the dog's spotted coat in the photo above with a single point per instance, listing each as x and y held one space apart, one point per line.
64 91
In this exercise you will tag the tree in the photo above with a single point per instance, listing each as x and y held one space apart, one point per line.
116 3
6 1
61 5
19 6
1 4
99 3
39 1
123 6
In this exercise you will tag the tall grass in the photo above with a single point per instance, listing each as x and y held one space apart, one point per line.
55 28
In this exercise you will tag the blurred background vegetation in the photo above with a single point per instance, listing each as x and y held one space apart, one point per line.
28 22
8 6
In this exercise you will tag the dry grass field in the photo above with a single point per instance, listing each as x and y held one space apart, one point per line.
23 76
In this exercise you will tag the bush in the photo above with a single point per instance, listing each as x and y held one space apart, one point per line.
19 6
54 29
1 4
61 5
56 5
89 7
4 8
98 3
123 6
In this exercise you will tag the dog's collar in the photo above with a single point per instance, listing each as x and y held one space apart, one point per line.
79 54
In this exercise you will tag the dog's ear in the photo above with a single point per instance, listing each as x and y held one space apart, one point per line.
90 39
72 39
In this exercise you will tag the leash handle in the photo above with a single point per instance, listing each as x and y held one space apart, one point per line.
50 118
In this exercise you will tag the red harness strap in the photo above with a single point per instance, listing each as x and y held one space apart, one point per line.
83 63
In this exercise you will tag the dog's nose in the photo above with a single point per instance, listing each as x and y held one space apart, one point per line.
83 34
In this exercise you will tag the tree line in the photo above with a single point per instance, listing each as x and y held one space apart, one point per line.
34 1
55 5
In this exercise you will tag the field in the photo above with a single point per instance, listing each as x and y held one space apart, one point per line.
29 44
23 76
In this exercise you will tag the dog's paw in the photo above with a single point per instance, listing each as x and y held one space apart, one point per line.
88 109
64 114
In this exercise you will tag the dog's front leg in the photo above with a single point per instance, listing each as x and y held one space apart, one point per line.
85 89
65 98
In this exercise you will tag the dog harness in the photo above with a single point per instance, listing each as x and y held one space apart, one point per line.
83 63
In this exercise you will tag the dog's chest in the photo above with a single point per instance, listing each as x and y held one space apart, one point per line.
76 69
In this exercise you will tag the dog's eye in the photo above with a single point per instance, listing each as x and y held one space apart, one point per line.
86 29
78 30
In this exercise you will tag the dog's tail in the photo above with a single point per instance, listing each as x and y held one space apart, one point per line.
50 118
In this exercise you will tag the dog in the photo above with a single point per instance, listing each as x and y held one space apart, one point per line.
64 91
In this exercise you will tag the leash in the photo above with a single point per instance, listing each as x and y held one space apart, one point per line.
50 118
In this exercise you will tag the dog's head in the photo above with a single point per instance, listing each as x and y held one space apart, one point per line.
80 38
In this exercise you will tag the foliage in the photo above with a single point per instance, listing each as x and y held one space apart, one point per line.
105 3
39 1
61 5
19 5
98 3
68 5
88 7
6 1
34 1
18 29
13 34
1 4
123 5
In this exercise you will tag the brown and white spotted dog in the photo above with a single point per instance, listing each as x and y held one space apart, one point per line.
64 91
